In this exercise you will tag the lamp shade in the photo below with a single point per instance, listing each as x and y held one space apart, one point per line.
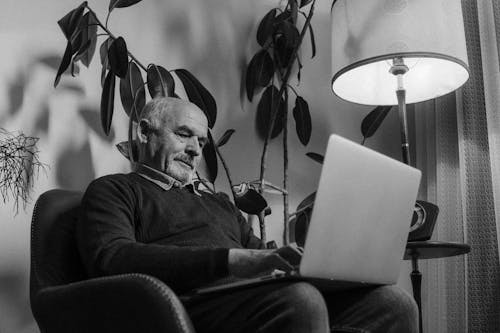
368 35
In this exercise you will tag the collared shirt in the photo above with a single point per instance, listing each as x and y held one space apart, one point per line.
163 180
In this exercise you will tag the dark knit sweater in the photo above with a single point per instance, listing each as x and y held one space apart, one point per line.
130 224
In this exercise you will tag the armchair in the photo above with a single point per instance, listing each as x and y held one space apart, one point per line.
63 299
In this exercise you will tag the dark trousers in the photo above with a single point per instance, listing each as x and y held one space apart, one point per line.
300 308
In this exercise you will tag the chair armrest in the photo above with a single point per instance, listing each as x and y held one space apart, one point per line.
119 303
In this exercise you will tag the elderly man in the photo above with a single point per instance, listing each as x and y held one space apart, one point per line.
154 221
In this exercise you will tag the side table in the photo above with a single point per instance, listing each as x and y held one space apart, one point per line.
428 250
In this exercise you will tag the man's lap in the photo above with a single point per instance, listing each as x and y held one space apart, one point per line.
379 309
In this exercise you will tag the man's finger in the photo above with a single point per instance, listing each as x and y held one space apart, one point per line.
290 254
278 262
295 246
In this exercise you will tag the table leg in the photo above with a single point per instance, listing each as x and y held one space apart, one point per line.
416 281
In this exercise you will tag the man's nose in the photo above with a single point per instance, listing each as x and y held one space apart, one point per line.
193 146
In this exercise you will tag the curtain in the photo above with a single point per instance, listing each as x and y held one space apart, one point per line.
458 150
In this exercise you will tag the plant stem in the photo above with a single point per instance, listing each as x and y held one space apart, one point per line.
107 18
113 36
226 169
294 9
293 90
131 156
300 210
286 212
285 175
262 227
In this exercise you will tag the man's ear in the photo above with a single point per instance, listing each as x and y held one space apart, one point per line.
143 130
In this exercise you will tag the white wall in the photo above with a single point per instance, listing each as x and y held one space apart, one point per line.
213 39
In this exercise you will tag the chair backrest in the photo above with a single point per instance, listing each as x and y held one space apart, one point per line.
54 253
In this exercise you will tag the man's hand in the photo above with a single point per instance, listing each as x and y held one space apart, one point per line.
291 253
248 263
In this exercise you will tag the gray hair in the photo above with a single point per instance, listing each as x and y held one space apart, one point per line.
155 109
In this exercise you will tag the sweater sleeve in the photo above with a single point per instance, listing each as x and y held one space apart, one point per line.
248 238
107 243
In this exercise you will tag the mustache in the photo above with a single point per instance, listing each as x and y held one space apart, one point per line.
186 159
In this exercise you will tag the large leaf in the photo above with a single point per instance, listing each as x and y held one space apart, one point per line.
65 62
285 15
198 95
264 68
304 3
265 29
139 102
373 120
282 52
160 82
294 8
303 218
70 21
250 202
267 105
121 3
259 72
107 102
225 137
130 87
118 57
316 157
286 37
313 42
210 156
124 149
302 120
290 32
299 70
103 51
88 28
308 202
300 224
250 81
81 51
76 42
333 4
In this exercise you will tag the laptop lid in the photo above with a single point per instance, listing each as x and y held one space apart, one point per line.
361 216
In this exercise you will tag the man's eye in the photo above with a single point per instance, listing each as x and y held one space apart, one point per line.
183 135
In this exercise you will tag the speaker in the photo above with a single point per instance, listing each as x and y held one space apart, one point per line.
423 221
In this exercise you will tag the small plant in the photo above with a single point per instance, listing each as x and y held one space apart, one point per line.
19 164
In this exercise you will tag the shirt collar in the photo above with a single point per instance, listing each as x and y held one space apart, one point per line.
162 179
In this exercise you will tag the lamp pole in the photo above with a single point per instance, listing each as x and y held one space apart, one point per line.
398 69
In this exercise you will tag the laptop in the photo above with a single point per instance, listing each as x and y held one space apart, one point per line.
359 224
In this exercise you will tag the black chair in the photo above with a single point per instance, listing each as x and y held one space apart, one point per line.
63 299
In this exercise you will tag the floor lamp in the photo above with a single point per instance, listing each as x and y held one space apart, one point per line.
394 52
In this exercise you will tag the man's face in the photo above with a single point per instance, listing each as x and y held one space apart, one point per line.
176 146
